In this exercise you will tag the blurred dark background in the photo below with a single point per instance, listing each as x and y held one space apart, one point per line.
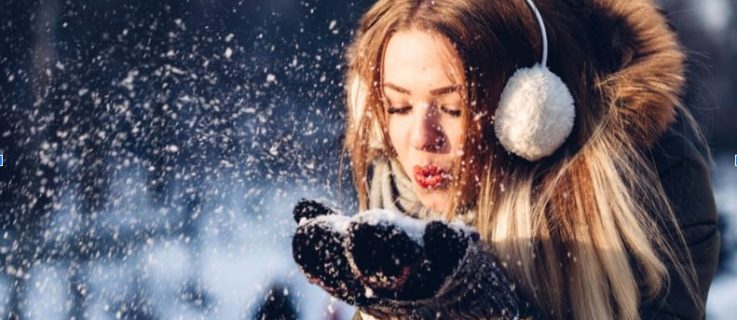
153 149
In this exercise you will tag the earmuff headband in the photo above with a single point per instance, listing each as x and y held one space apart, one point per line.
543 33
535 112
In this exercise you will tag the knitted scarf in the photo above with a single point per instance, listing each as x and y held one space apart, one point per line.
391 188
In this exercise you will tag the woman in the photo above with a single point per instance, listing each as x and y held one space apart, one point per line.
599 208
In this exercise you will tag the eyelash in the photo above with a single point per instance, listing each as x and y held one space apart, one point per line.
452 113
399 110
406 109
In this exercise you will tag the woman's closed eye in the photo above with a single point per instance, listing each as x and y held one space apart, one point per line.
406 109
451 111
398 109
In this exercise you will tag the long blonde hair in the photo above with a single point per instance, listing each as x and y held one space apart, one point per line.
582 231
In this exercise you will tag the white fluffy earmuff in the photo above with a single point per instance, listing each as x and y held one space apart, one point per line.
536 112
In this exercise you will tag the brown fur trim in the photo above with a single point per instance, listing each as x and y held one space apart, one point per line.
639 60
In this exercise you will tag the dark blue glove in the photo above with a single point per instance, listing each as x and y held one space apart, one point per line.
393 265
318 248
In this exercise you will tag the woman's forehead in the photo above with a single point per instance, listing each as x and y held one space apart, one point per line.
420 59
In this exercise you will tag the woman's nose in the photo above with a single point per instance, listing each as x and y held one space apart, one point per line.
427 132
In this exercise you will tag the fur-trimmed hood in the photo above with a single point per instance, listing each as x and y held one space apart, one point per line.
641 60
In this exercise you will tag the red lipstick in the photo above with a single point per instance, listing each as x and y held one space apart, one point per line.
429 176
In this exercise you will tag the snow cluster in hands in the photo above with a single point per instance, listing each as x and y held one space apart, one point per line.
377 254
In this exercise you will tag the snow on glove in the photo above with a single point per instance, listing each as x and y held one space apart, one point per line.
318 249
395 266
427 269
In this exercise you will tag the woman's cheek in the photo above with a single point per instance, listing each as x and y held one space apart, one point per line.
454 132
399 134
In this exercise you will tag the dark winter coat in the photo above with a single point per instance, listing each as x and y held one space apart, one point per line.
684 173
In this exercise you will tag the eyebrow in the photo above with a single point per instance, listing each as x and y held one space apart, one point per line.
434 92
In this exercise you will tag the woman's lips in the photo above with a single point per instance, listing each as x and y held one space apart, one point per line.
430 176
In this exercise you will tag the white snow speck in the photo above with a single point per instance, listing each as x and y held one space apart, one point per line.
172 148
226 164
270 78
228 53
274 150
229 37
369 293
332 24
129 78
176 70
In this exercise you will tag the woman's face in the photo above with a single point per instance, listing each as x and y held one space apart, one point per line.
422 85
